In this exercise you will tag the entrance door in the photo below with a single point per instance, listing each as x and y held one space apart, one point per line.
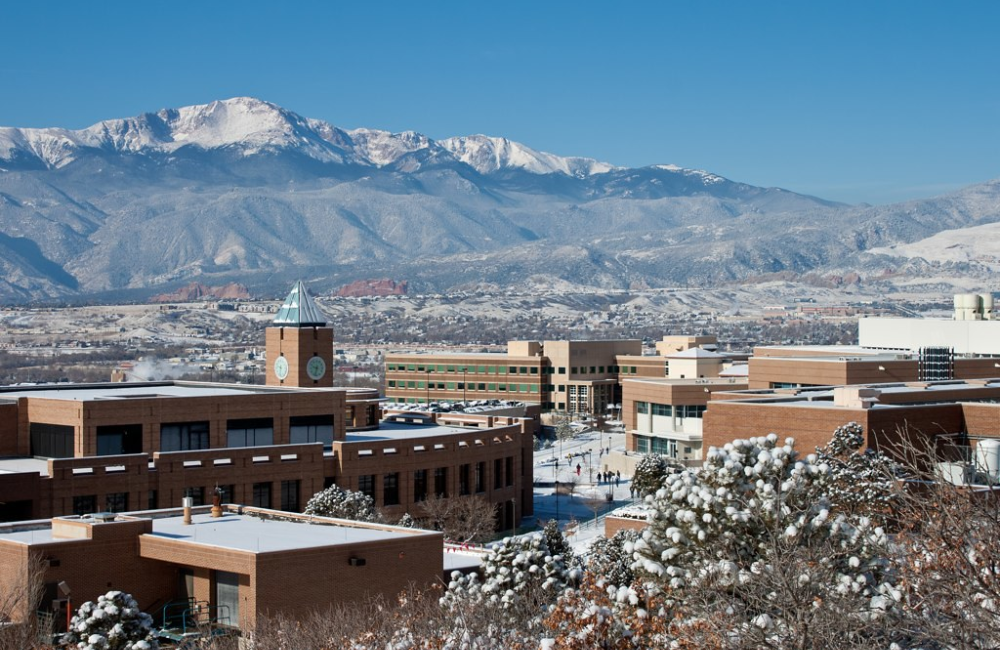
227 597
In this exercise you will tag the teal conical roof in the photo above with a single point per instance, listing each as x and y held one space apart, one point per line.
299 310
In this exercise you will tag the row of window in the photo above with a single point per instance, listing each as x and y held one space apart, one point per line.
670 410
661 446
466 386
477 370
509 370
471 479
261 497
56 441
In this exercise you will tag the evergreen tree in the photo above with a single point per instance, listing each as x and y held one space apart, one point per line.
114 622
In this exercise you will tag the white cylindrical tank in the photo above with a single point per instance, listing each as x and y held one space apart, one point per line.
986 300
966 306
988 457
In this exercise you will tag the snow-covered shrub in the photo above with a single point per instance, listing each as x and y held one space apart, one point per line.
521 578
755 523
649 474
114 622
343 504
860 482
407 521
609 561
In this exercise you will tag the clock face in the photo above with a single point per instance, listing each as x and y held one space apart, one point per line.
316 368
281 368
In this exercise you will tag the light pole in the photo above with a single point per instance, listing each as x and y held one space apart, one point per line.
557 499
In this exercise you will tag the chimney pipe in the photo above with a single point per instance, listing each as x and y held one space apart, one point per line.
187 503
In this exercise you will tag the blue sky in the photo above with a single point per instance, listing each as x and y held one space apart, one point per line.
852 101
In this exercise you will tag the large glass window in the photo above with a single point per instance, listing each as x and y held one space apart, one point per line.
642 408
390 489
481 476
197 495
85 505
441 482
463 479
420 485
119 439
366 485
183 436
290 496
51 440
262 495
663 409
497 473
311 428
256 432
116 502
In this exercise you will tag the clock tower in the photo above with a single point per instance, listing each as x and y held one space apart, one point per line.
299 344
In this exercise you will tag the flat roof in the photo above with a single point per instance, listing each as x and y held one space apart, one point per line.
492 356
706 381
259 535
21 465
407 431
151 390
234 532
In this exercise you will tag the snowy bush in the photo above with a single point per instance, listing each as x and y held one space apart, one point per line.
649 474
343 504
520 578
610 561
407 521
114 622
755 523
860 482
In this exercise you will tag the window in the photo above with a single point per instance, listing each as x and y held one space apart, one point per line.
642 445
116 502
85 505
632 370
574 370
390 489
228 493
481 370
481 387
512 370
463 480
197 495
311 428
642 408
290 496
497 473
392 383
262 495
509 470
451 368
534 370
691 411
183 436
151 500
593 370
481 476
562 370
256 432
119 439
600 369
51 440
366 485
441 482
663 409
420 485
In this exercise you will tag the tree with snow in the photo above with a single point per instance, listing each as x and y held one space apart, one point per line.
343 504
860 482
114 622
407 521
611 559
649 474
749 543
521 578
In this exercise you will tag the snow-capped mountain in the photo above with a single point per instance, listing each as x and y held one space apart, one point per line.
246 190
252 126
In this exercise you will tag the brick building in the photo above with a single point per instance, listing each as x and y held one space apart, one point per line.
227 569
78 449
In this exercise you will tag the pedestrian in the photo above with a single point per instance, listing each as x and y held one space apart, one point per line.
618 481
631 491
598 478
618 475
578 469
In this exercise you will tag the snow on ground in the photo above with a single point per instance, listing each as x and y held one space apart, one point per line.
581 499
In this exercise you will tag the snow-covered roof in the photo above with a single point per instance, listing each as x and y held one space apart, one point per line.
299 310
736 370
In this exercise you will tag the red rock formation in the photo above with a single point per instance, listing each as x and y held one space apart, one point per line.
383 287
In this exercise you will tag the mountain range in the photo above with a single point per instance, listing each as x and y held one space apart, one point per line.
245 190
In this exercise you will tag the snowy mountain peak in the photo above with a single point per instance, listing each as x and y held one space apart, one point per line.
708 178
490 154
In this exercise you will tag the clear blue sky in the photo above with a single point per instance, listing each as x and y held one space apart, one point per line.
853 101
